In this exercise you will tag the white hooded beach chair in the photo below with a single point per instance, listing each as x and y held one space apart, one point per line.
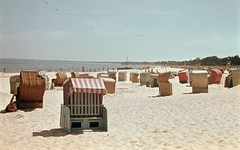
144 78
199 81
82 106
122 76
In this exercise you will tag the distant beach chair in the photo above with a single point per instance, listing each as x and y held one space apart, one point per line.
165 87
84 75
154 80
183 76
164 77
82 106
60 78
199 81
14 84
235 77
216 75
144 78
102 75
110 85
79 75
31 90
74 74
109 80
122 76
112 74
134 77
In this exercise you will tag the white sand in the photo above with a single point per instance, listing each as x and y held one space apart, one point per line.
136 120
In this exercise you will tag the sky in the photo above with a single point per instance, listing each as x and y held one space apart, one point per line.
119 30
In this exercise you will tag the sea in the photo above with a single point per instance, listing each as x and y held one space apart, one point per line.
11 65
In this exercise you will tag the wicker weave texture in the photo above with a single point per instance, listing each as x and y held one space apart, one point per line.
32 86
74 74
163 77
61 77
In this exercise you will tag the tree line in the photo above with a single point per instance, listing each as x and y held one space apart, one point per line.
207 61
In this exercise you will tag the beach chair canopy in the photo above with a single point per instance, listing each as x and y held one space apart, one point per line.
163 77
85 85
183 76
216 75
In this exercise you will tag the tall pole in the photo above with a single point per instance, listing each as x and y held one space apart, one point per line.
127 61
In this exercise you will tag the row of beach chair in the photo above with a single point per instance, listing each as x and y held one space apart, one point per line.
83 106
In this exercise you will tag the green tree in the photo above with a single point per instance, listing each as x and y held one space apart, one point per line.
235 60
211 61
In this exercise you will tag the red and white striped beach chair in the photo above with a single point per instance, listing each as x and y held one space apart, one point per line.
83 105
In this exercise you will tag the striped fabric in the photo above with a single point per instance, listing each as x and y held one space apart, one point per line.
86 85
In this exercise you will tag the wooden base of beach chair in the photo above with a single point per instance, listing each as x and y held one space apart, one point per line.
165 89
143 83
29 104
200 90
81 124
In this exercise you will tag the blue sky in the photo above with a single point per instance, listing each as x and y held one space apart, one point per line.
111 30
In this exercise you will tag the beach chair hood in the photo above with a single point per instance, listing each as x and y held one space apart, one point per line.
85 85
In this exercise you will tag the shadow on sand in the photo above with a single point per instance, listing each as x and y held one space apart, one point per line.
54 132
61 132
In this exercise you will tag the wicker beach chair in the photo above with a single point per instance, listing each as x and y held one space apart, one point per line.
112 74
164 77
102 75
199 81
183 76
134 77
216 75
122 76
84 75
165 87
82 106
109 80
236 77
144 78
31 90
60 78
74 74
110 85
154 80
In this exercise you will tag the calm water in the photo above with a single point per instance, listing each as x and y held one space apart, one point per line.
16 65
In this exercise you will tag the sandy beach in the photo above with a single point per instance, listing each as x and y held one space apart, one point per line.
137 119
